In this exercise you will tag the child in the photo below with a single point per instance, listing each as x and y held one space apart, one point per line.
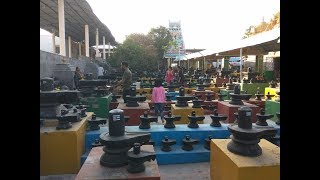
158 98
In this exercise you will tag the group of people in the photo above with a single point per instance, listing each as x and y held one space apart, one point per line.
171 75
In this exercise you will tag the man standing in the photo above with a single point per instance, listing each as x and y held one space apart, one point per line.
126 80
100 71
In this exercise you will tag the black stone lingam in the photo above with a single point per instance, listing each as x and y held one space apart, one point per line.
116 142
278 96
272 84
145 120
137 157
221 96
197 103
230 85
236 115
82 108
182 100
96 143
262 118
171 87
201 85
193 120
269 96
63 123
278 116
115 97
216 118
209 96
207 142
258 96
51 100
188 142
245 138
133 99
169 120
93 87
247 97
93 123
236 97
168 97
224 84
166 143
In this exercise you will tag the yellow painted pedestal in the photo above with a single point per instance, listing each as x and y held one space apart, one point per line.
184 112
61 150
225 165
272 92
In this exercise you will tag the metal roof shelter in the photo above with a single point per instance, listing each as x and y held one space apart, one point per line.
258 44
77 13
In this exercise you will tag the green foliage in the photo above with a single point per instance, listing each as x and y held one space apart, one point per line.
142 52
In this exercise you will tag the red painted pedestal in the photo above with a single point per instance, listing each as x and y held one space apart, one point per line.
261 103
207 103
219 81
228 109
134 112
91 169
202 93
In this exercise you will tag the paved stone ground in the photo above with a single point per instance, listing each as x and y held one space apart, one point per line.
197 171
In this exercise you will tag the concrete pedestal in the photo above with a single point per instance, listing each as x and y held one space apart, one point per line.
272 107
91 169
134 112
61 150
202 93
229 109
225 165
184 112
272 92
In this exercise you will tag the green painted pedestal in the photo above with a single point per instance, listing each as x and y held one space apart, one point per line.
98 105
272 107
252 88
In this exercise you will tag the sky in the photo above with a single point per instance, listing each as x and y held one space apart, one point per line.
205 24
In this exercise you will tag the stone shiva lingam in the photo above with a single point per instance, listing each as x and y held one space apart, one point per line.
245 138
167 143
269 96
51 100
115 97
221 96
230 85
207 142
145 120
169 120
133 98
193 120
196 103
278 116
93 123
137 157
201 84
182 100
262 118
209 96
172 86
278 96
117 143
258 96
216 118
188 142
236 97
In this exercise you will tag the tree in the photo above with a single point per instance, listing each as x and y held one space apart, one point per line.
161 37
138 51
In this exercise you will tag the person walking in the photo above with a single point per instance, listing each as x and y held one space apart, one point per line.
158 99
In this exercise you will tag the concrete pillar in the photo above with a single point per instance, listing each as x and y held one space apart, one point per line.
104 47
109 51
86 33
61 28
69 47
80 43
97 43
53 41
